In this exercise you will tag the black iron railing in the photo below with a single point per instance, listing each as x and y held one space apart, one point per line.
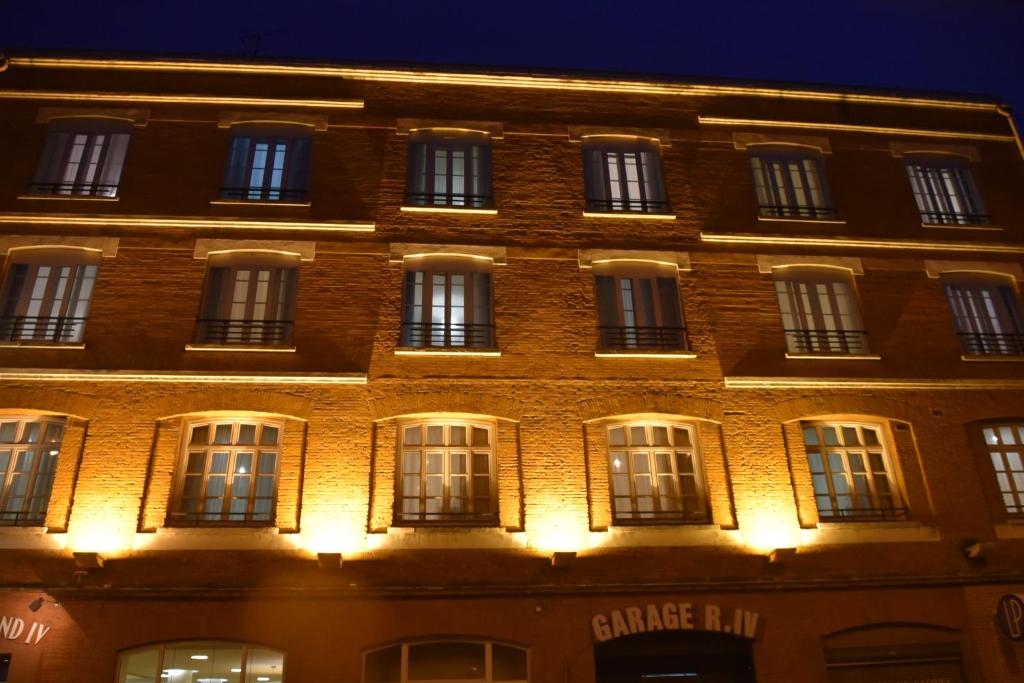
450 200
42 329
254 332
782 211
628 205
660 517
838 342
954 218
79 189
880 514
22 518
265 194
991 344
624 338
446 519
448 335
244 519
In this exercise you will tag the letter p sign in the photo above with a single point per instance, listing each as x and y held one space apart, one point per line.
1011 616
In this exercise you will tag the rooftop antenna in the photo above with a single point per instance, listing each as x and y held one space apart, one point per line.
252 41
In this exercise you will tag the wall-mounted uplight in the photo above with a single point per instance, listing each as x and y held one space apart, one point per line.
563 558
88 560
329 561
781 555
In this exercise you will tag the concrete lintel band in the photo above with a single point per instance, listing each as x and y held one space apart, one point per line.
588 257
107 246
400 251
304 250
765 264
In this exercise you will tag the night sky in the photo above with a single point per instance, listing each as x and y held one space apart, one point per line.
968 46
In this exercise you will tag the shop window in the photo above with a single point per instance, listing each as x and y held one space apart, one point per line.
851 471
1005 446
249 301
227 474
447 304
46 296
790 183
987 314
82 157
449 171
894 652
201 661
446 474
29 448
638 308
655 473
268 165
448 660
820 314
624 177
944 190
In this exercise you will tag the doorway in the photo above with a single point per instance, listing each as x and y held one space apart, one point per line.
675 657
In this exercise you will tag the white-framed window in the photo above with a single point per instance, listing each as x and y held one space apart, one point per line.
249 300
624 176
447 304
82 157
447 661
228 473
449 171
851 472
790 183
1005 445
655 473
638 307
46 296
447 473
820 314
268 164
986 313
201 661
29 447
944 190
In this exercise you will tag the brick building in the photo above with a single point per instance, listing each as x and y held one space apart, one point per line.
326 373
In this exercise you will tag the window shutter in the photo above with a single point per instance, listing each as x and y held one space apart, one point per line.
298 170
668 296
238 160
408 314
607 310
482 179
417 182
113 164
49 169
481 298
15 283
654 184
593 171
214 285
289 282
1009 299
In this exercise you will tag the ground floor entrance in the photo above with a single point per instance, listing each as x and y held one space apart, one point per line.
675 657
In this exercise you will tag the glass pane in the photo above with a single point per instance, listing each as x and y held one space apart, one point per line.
810 436
8 432
481 436
201 435
384 666
441 661
660 435
247 435
637 436
457 435
139 666
271 436
508 663
617 436
682 437
435 435
222 434
412 436
264 666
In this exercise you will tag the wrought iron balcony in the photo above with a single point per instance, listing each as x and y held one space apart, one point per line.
75 189
626 338
812 212
244 332
454 200
22 518
264 194
992 344
448 335
42 329
954 218
243 519
882 514
660 517
626 205
446 519
834 342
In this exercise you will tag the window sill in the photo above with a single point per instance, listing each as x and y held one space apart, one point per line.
235 348
906 531
838 356
683 355
682 534
630 215
257 202
963 226
994 358
214 538
51 347
30 538
411 351
469 210
795 219
1011 529
445 537
66 198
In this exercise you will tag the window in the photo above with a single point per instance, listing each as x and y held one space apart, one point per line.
228 474
624 177
448 660
5 666
446 473
201 661
638 308
249 302
820 314
28 461
655 473
268 165
450 171
46 296
850 472
82 157
447 304
1005 444
790 184
986 314
944 190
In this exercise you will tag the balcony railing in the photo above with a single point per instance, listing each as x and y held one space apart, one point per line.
265 194
660 517
244 332
446 519
836 342
22 518
812 212
452 201
954 218
42 329
75 189
628 205
882 514
625 338
991 344
243 519
448 335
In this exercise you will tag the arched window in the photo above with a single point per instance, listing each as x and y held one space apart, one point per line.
201 660
820 314
82 157
1004 443
29 447
790 183
623 176
268 163
447 303
447 661
638 307
452 171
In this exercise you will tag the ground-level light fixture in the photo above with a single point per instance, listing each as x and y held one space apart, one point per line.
38 603
563 558
88 560
329 560
781 555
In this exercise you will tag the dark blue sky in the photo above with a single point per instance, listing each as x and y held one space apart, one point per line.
973 46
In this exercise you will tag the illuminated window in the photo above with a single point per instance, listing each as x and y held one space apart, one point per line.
655 473
46 296
448 660
638 308
944 190
249 300
268 165
1005 443
986 313
228 474
624 176
82 157
201 661
446 473
850 472
790 184
819 311
29 448
449 171
447 304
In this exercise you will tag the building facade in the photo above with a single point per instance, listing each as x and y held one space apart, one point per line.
325 373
